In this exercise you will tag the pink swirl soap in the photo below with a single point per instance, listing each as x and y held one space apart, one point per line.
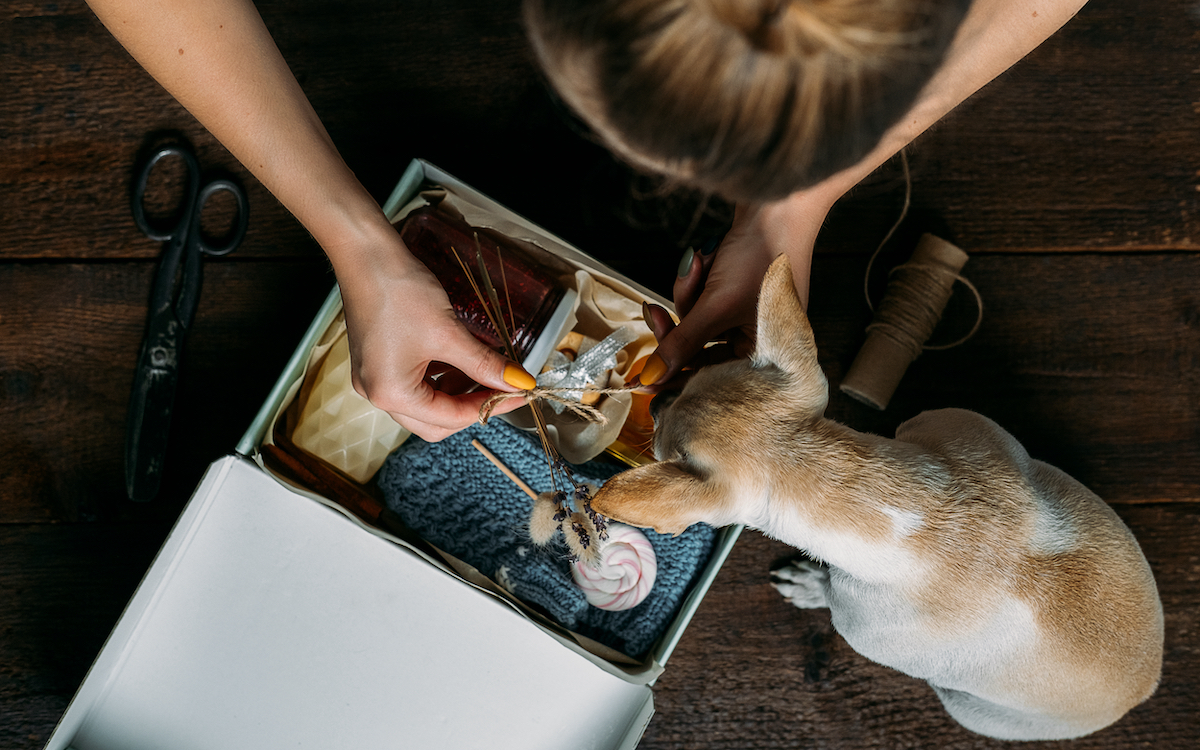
625 573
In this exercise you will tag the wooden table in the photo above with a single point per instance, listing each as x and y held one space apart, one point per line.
1071 180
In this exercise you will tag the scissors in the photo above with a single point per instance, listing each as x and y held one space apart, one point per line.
173 300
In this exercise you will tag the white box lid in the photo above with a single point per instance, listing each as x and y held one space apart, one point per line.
269 621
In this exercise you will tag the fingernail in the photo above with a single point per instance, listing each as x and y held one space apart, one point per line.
685 263
648 317
654 369
516 376
710 247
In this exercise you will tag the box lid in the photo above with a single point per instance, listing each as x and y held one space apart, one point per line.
268 621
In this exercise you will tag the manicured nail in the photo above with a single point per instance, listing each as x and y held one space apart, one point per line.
654 369
710 247
516 376
685 263
648 316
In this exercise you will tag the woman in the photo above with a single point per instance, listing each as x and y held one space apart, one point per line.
781 106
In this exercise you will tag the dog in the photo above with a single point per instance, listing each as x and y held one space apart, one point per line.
947 553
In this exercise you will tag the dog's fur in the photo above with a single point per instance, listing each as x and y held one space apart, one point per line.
947 553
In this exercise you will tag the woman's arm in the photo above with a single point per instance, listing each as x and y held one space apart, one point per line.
218 59
718 294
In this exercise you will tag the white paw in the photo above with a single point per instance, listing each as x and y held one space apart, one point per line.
803 583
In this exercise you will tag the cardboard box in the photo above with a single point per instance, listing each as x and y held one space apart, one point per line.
272 617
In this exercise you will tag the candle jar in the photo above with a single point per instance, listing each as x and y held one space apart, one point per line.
528 293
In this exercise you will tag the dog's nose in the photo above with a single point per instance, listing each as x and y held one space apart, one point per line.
661 402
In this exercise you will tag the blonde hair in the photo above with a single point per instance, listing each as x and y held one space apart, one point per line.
749 99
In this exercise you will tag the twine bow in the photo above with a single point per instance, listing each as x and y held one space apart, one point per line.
565 385
557 396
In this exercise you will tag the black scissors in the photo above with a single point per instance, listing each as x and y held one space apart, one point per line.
173 300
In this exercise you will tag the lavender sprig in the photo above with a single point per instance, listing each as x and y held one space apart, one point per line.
599 521
571 512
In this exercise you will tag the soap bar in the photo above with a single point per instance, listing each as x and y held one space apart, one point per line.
434 236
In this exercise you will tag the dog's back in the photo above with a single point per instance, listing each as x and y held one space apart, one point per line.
1030 610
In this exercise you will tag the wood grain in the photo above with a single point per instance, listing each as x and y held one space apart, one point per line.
68 345
63 588
1092 361
1050 156
1072 180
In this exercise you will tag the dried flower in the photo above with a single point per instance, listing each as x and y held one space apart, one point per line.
581 540
599 521
544 520
561 510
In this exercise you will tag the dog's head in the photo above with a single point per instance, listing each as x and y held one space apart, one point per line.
712 440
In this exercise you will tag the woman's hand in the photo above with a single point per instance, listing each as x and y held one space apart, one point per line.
716 293
403 334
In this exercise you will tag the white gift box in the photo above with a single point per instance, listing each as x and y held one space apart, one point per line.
271 617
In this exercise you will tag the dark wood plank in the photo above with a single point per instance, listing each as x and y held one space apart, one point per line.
1088 143
1051 156
63 588
68 346
76 111
1090 360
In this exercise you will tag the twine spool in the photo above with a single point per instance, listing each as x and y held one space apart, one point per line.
916 296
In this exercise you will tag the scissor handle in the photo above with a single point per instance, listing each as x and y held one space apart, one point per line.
241 220
187 206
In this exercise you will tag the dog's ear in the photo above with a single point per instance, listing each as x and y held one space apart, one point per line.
785 338
663 496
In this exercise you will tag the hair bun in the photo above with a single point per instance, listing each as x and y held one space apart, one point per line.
749 99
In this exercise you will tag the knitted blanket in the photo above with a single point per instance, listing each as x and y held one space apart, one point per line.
460 502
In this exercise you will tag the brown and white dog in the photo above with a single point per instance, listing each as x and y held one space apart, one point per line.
946 553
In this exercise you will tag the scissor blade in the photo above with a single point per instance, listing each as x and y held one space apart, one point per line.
149 420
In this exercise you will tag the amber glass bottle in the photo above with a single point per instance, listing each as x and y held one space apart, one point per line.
433 236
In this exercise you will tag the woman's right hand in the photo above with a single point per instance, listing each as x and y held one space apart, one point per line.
716 294
402 330
218 59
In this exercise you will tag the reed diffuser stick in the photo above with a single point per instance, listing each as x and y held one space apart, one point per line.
504 469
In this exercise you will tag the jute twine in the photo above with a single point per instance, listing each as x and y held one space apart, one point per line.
909 312
558 396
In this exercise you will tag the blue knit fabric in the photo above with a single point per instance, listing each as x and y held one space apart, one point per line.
456 499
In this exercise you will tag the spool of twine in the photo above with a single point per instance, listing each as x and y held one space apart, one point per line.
916 296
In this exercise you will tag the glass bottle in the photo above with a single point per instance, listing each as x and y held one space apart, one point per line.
528 293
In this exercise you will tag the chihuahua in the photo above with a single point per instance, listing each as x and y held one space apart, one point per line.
947 553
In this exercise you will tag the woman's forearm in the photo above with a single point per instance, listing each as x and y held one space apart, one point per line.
993 37
218 59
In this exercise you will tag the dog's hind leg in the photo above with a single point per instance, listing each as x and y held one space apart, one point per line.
804 583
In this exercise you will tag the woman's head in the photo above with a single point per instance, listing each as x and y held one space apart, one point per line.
750 99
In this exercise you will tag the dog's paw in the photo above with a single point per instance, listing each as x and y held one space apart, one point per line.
803 583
